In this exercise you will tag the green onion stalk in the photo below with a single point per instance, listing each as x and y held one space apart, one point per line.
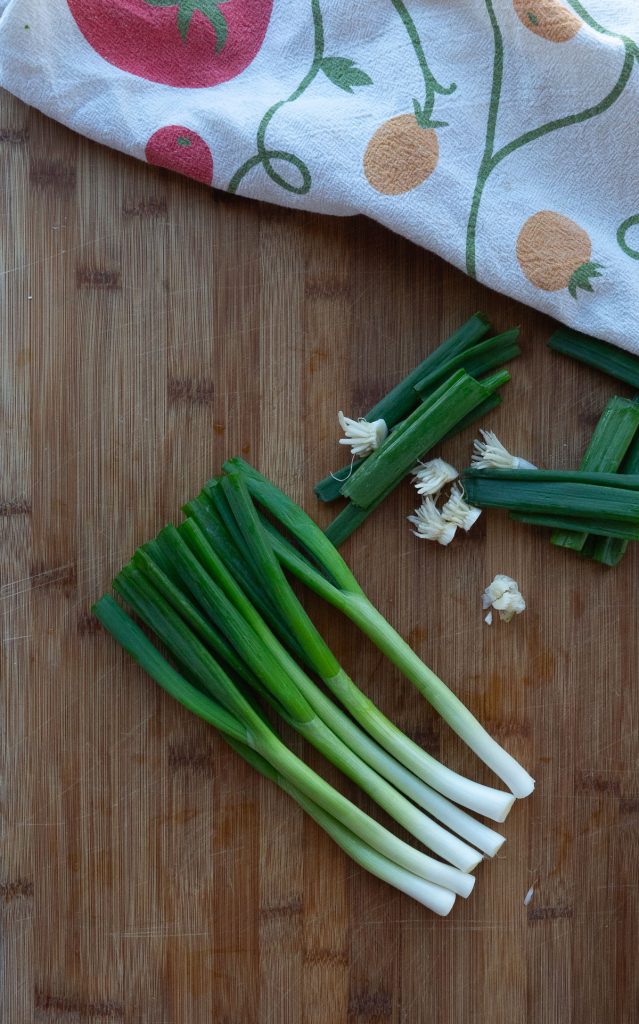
610 550
293 694
149 605
577 499
261 748
598 354
379 755
339 587
608 445
261 547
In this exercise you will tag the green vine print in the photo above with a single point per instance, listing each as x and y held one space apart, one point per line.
341 71
423 111
404 151
622 231
491 157
579 9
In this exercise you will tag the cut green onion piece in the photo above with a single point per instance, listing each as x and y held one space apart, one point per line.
605 550
576 500
330 488
608 445
399 453
352 516
349 598
610 550
396 405
628 481
479 359
598 354
601 527
477 413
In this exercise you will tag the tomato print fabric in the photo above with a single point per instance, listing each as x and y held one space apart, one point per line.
501 134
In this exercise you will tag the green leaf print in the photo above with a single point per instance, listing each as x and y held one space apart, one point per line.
339 70
344 73
210 9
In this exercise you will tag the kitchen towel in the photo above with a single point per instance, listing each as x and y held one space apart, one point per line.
501 134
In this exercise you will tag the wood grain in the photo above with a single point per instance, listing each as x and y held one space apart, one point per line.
151 328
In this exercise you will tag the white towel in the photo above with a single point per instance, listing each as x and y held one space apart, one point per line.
501 134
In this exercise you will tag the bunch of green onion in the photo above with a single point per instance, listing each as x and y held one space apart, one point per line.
439 398
214 592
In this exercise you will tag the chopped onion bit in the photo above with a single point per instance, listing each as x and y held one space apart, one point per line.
503 595
491 454
430 477
430 523
459 512
362 436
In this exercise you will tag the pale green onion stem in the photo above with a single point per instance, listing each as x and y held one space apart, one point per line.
432 896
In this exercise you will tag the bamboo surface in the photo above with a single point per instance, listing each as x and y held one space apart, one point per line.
150 329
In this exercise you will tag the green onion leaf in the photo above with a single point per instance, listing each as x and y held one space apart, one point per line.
608 445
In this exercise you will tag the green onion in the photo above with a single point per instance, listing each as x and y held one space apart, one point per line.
491 489
608 445
347 595
330 488
160 617
601 527
194 588
599 354
610 550
351 517
396 405
296 697
628 482
425 428
260 548
134 641
479 359
374 754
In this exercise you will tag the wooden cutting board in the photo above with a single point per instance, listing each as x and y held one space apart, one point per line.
151 328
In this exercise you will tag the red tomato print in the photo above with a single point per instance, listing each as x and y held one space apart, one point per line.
181 150
185 43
